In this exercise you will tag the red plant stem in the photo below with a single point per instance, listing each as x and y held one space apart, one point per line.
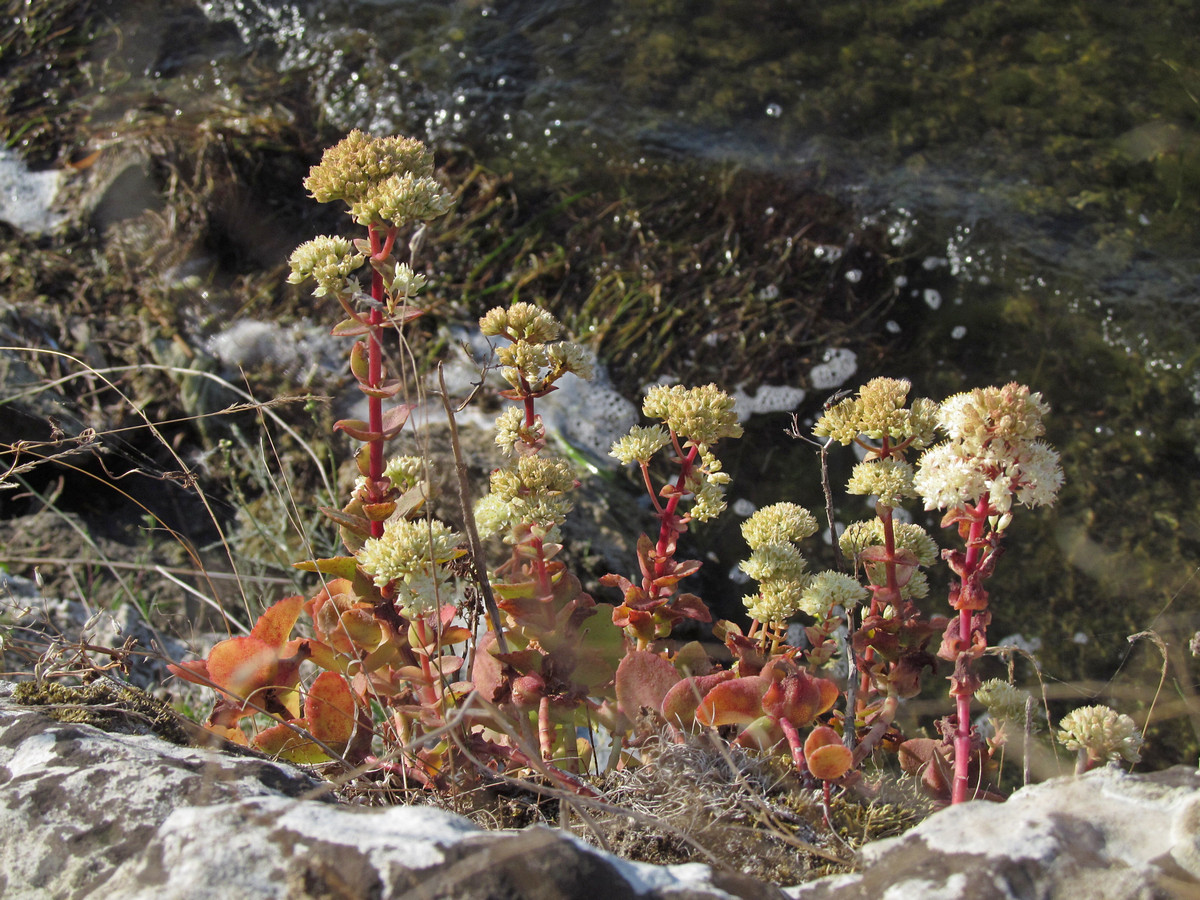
381 246
794 743
668 529
962 733
545 729
429 697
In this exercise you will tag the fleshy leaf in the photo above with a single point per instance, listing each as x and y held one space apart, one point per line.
274 626
735 702
643 680
329 710
681 701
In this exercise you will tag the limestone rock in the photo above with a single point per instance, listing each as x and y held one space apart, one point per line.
1106 835
88 813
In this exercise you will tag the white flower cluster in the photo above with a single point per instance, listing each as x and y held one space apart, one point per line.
993 449
785 584
411 556
1101 732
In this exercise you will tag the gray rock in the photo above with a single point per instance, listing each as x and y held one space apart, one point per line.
1106 835
84 812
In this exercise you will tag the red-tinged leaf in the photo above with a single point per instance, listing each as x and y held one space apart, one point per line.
796 697
395 417
385 390
284 742
643 680
829 762
381 656
346 520
829 694
618 581
350 328
402 315
195 671
487 672
243 665
330 710
361 626
525 661
323 656
449 665
454 635
681 701
360 365
763 733
734 702
692 659
411 501
691 607
379 512
357 429
821 736
275 625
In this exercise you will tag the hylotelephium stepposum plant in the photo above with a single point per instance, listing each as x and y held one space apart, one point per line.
565 648
992 459
383 618
391 692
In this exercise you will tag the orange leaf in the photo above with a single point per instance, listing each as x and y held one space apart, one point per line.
736 702
275 625
243 665
329 710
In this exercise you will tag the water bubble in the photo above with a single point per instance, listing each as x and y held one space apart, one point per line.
770 292
958 332
854 276
774 110
933 299
892 326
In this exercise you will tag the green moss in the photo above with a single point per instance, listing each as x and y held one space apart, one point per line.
117 708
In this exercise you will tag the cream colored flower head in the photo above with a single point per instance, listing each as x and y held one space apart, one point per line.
779 523
1102 732
908 536
383 180
521 322
1004 701
328 261
993 448
776 601
829 589
640 445
877 412
404 472
889 479
530 493
411 556
699 415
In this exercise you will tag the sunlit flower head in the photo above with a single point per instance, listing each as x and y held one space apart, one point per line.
878 411
778 523
328 261
1102 732
828 589
891 480
699 415
411 556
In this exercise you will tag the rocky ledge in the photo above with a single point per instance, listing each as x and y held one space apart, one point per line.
91 812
